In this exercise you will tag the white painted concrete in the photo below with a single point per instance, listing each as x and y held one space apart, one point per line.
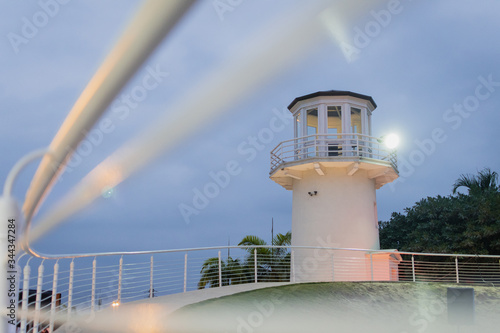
343 210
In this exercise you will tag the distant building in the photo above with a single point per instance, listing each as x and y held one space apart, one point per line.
45 305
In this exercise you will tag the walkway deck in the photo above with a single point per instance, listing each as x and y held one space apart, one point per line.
153 311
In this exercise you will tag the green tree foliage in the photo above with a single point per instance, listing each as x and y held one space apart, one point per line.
485 181
272 264
460 223
232 272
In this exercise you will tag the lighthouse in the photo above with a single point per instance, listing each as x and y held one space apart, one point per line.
333 165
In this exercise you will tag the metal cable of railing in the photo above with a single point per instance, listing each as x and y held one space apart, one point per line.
129 277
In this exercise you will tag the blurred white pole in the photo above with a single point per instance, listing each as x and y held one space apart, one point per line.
272 48
152 22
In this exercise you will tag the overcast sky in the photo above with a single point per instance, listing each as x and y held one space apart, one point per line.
432 67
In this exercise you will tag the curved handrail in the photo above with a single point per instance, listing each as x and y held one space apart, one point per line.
151 24
18 167
226 247
167 131
154 20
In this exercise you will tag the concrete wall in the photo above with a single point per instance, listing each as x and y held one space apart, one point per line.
344 209
342 214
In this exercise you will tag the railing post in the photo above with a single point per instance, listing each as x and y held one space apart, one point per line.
220 271
26 291
39 285
151 293
255 263
292 259
92 296
70 287
120 274
371 265
185 271
54 297
333 269
456 269
413 267
316 146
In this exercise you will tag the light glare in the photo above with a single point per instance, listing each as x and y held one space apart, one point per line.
391 140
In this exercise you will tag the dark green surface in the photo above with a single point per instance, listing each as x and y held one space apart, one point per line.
347 306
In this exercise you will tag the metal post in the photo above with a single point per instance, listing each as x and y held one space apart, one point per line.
26 291
333 269
293 265
39 285
92 297
255 263
151 280
70 287
456 269
54 297
371 264
413 267
120 274
220 271
185 271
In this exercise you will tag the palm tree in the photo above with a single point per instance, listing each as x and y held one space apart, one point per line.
485 181
232 272
273 263
209 273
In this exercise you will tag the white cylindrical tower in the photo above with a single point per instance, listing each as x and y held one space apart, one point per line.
333 165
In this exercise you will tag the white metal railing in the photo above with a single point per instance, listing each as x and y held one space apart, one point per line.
82 285
332 147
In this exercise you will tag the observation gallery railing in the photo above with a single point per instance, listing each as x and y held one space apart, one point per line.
332 147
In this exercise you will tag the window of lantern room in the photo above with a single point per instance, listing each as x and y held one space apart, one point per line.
312 122
356 121
334 127
298 129
334 115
